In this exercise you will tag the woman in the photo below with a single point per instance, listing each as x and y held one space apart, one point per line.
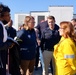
27 45
65 50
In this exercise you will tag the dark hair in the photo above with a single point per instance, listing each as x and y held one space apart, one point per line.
51 17
74 19
3 9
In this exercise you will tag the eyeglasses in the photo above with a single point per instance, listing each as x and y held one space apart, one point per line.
32 22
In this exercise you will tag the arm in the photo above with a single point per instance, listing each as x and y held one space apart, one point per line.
42 41
69 55
20 36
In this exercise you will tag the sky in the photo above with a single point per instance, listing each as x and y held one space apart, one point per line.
25 6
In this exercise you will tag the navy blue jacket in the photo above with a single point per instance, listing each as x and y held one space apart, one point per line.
28 44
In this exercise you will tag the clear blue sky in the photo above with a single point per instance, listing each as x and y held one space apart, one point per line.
26 6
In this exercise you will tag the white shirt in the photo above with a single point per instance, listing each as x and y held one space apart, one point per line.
4 32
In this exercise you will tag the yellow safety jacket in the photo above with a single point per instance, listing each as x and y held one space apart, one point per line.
65 57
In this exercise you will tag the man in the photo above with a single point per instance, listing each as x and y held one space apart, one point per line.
10 30
50 37
73 21
13 52
43 26
4 45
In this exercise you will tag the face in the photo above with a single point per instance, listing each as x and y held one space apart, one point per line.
6 17
51 23
61 31
73 23
31 24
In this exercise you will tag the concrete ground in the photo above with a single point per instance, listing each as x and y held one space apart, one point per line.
39 71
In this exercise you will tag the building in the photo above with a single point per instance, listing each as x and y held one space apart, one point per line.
19 19
74 15
61 13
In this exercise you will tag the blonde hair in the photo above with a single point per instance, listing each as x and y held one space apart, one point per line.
68 30
26 21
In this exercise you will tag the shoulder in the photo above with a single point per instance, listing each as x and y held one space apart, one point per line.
1 28
13 29
44 23
68 46
0 25
20 31
68 42
56 27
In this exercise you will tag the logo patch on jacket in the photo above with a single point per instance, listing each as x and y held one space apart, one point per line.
29 36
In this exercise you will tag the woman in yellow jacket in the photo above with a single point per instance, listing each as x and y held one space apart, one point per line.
65 50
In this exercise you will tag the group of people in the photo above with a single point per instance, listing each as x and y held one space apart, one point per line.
58 45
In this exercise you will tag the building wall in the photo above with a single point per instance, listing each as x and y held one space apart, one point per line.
19 19
74 16
38 14
61 13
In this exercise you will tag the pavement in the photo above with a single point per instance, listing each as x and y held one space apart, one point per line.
39 71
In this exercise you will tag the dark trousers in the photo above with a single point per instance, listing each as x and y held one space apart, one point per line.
28 66
37 57
3 59
13 65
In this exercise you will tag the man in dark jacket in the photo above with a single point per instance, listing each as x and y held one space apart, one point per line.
41 27
11 32
4 45
14 58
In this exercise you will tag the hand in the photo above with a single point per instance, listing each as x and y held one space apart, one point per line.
38 41
11 45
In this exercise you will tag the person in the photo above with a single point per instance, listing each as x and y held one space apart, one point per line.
4 44
73 21
37 50
50 37
40 28
65 50
10 30
13 53
27 45
21 27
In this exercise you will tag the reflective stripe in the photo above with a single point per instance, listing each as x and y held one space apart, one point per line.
69 56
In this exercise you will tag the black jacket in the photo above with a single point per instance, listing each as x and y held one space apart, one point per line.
11 31
14 58
3 47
